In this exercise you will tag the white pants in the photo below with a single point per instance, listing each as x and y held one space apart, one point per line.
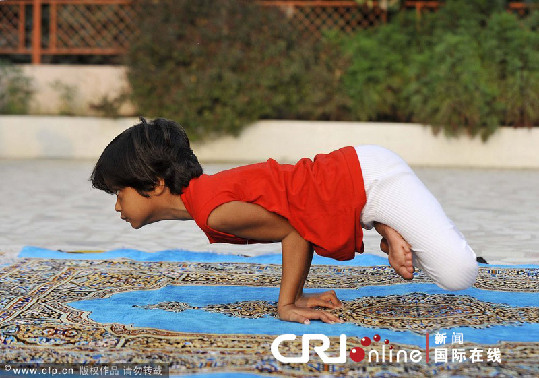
396 197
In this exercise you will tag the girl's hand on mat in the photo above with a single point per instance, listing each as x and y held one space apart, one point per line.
327 299
293 313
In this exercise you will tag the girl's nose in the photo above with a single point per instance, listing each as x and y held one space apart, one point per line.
117 206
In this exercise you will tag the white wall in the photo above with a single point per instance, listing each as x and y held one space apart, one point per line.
286 141
74 88
57 137
85 137
290 140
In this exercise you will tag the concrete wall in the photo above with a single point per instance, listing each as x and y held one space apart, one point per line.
291 140
73 89
286 141
57 137
70 89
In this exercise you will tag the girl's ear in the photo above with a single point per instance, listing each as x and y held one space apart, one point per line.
159 188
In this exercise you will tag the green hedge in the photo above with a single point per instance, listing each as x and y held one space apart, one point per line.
217 65
469 67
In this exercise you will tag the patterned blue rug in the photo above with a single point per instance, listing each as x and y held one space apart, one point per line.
214 315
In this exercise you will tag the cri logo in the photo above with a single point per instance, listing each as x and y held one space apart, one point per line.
304 358
357 354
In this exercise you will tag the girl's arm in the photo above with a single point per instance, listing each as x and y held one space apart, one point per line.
327 299
250 221
297 254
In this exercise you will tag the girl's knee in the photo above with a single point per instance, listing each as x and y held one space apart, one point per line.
461 275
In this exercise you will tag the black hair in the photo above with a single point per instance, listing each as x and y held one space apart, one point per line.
145 153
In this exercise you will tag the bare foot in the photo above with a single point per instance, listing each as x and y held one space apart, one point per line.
384 246
400 253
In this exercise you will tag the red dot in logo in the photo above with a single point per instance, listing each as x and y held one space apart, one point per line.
357 354
365 341
376 337
386 341
391 347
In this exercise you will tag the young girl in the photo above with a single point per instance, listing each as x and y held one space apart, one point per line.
319 205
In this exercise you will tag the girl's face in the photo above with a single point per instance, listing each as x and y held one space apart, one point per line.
135 208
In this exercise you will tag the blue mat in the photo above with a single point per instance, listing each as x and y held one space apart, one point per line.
181 299
182 255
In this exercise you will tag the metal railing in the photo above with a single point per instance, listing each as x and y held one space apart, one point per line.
312 16
104 27
65 27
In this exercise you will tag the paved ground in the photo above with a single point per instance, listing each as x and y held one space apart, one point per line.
50 203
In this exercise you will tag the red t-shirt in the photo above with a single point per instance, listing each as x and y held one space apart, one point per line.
321 198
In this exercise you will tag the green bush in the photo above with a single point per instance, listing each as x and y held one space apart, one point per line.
217 65
377 74
448 85
454 91
469 67
511 51
15 90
